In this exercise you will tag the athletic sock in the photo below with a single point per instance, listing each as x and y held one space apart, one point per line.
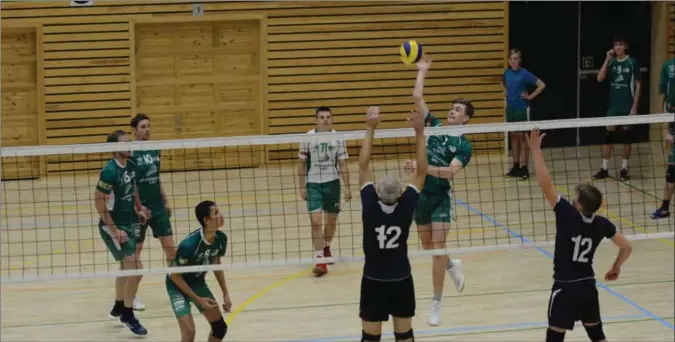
624 164
665 204
319 254
516 165
127 313
437 297
119 305
604 164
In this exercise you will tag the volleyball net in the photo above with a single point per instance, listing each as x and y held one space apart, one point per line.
50 224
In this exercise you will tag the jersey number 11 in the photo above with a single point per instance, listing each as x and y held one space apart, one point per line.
388 236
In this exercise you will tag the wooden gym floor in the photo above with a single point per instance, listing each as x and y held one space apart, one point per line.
49 228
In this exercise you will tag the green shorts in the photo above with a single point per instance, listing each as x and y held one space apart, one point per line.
324 196
434 207
517 115
180 302
159 222
118 251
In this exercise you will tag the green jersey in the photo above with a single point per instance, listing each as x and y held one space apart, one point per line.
119 181
147 169
441 150
667 86
194 251
623 77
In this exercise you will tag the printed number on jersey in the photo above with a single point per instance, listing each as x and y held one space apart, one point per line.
388 236
582 246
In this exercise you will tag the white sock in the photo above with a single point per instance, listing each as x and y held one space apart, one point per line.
319 254
624 164
604 164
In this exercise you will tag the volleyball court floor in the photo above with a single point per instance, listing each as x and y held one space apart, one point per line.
506 292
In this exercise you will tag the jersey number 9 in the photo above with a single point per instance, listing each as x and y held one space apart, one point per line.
388 236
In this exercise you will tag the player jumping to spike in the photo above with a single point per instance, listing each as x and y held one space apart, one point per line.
152 195
116 201
447 156
579 232
387 286
204 246
322 164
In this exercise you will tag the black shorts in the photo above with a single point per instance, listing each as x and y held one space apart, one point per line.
379 299
571 302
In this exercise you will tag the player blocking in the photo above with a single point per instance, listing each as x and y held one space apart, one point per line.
579 231
322 164
387 286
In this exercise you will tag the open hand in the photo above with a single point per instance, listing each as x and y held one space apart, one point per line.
373 117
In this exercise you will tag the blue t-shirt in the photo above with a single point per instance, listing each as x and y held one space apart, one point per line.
516 83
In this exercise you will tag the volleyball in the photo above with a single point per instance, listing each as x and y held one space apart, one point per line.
411 52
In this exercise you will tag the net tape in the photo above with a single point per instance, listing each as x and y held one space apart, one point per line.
300 262
25 151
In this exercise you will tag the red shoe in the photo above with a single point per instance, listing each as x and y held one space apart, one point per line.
320 270
327 254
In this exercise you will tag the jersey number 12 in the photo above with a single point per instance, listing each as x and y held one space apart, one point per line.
579 243
388 236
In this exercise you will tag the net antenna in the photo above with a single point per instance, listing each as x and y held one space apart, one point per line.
49 225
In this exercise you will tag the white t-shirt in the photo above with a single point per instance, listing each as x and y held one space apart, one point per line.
321 158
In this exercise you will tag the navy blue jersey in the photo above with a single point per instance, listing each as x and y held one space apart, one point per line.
385 234
576 240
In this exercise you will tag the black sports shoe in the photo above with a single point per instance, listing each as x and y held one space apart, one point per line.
512 172
623 175
115 314
602 174
524 173
135 326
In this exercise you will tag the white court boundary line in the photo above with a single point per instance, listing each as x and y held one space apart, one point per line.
255 140
210 268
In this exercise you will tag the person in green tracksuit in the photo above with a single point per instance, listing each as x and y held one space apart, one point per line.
667 90
152 195
625 86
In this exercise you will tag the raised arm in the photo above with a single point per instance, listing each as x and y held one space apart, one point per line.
602 74
544 179
372 120
418 93
417 121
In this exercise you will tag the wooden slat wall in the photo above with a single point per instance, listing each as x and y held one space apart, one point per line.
671 29
19 100
339 54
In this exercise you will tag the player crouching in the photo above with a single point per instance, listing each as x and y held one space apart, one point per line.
387 286
204 246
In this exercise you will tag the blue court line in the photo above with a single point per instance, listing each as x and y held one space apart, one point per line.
478 328
550 256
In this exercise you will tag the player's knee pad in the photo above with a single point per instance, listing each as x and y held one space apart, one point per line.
554 336
595 332
609 137
408 335
670 173
365 337
219 329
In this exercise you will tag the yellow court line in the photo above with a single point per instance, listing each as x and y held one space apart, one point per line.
611 214
262 292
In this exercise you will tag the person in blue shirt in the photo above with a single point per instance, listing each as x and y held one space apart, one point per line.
516 81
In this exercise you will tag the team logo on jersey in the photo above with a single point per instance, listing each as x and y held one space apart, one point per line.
182 261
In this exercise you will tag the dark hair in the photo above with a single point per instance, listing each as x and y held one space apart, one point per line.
467 103
115 136
323 109
589 197
137 119
203 210
514 51
620 39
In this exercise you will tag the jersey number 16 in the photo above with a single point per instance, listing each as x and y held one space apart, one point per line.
388 236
